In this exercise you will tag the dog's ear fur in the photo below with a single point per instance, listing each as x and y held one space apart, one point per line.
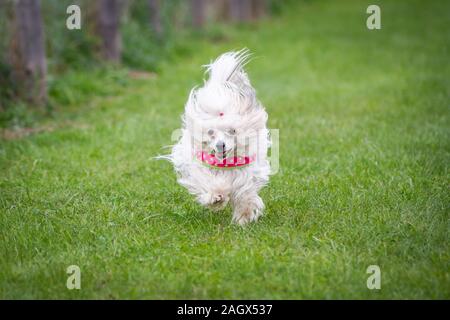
228 69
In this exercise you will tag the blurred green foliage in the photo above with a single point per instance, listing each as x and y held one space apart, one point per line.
71 53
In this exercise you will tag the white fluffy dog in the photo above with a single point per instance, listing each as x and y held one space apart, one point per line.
221 156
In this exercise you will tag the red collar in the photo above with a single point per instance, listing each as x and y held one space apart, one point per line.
227 163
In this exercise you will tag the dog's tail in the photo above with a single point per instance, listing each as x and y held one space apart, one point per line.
229 67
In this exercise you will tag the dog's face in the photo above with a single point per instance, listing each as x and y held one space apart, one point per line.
230 135
220 141
224 119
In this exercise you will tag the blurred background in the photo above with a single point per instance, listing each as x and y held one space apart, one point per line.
38 51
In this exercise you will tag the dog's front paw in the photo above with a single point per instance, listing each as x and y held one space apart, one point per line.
217 198
246 215
248 210
215 201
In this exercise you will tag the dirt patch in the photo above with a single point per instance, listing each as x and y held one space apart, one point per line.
22 132
137 74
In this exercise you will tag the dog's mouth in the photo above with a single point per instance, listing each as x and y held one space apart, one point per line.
221 154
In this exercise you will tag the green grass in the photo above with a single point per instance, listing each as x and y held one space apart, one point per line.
364 177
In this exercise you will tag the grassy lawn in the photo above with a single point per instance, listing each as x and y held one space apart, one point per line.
364 125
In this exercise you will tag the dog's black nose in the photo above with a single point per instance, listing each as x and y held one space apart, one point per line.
220 145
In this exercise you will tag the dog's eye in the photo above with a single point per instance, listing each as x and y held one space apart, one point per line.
210 132
232 131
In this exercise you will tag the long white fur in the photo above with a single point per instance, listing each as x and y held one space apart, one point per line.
228 91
